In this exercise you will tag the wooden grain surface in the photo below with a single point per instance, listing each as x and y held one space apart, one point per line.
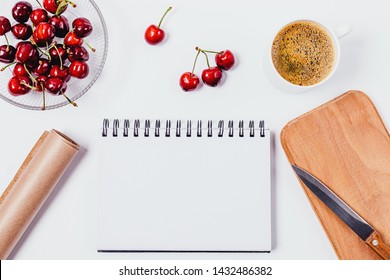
346 145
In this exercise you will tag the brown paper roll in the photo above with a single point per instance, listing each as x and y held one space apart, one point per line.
32 184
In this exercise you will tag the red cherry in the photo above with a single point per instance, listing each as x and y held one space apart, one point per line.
212 76
33 62
22 31
22 44
5 25
20 71
55 86
21 11
78 53
61 25
57 7
225 60
63 73
26 52
51 6
154 34
43 67
7 54
189 81
44 34
19 85
71 39
57 54
79 69
82 27
39 15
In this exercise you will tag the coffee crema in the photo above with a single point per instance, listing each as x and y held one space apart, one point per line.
303 53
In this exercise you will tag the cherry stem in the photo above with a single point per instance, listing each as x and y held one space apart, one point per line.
207 58
210 51
48 48
43 97
196 58
204 52
28 72
67 98
29 86
161 20
5 67
55 47
39 49
89 46
6 38
39 3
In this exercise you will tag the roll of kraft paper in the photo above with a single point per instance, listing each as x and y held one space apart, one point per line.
32 184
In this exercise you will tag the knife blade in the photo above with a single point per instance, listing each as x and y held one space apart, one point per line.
360 226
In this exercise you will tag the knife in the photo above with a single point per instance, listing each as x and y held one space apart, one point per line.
360 226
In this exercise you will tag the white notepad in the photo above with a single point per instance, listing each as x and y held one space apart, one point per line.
184 186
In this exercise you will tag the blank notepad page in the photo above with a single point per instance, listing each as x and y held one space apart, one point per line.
184 186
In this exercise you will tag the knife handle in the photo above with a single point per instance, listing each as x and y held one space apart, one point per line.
376 243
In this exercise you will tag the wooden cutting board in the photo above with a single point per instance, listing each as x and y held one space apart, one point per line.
345 144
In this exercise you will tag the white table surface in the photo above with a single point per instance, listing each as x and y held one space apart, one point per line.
142 81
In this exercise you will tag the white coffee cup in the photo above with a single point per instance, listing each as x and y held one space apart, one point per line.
279 82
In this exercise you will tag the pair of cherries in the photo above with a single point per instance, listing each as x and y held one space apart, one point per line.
211 76
40 62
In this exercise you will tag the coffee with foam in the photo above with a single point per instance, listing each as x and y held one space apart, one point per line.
303 53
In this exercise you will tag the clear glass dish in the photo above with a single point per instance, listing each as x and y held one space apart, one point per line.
75 87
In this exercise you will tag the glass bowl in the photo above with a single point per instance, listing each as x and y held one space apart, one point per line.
75 87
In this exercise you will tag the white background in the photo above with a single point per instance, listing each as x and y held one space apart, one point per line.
142 81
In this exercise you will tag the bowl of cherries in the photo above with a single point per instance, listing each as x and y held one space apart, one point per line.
51 51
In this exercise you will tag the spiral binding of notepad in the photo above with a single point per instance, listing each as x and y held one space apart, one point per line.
180 128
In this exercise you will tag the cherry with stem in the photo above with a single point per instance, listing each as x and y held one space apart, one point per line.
225 60
154 34
5 27
213 75
71 39
189 81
